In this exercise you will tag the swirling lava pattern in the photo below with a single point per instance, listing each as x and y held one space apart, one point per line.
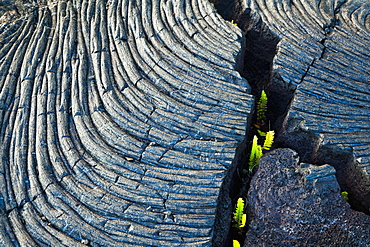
324 51
119 120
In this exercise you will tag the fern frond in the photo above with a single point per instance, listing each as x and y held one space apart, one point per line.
345 195
261 110
253 155
269 140
232 22
258 154
239 217
261 133
236 243
244 220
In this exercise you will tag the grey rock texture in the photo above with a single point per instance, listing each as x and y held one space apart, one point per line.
311 148
298 204
118 121
323 53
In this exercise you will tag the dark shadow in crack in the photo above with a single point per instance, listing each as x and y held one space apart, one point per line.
260 51
256 68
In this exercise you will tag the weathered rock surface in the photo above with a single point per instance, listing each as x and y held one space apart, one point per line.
322 53
310 147
118 122
319 73
298 204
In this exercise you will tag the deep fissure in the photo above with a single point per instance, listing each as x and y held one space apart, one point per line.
259 53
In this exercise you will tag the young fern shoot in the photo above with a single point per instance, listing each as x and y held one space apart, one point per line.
240 217
269 140
261 110
345 195
261 133
256 154
236 243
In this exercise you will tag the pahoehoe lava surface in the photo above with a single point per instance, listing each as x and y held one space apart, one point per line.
322 57
324 53
119 120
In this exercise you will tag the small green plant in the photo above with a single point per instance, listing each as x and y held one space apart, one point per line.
261 133
345 195
232 22
236 243
256 152
268 140
261 110
239 216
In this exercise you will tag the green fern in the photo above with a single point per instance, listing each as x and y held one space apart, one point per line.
269 140
256 151
261 133
261 110
239 217
236 243
345 195
256 154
